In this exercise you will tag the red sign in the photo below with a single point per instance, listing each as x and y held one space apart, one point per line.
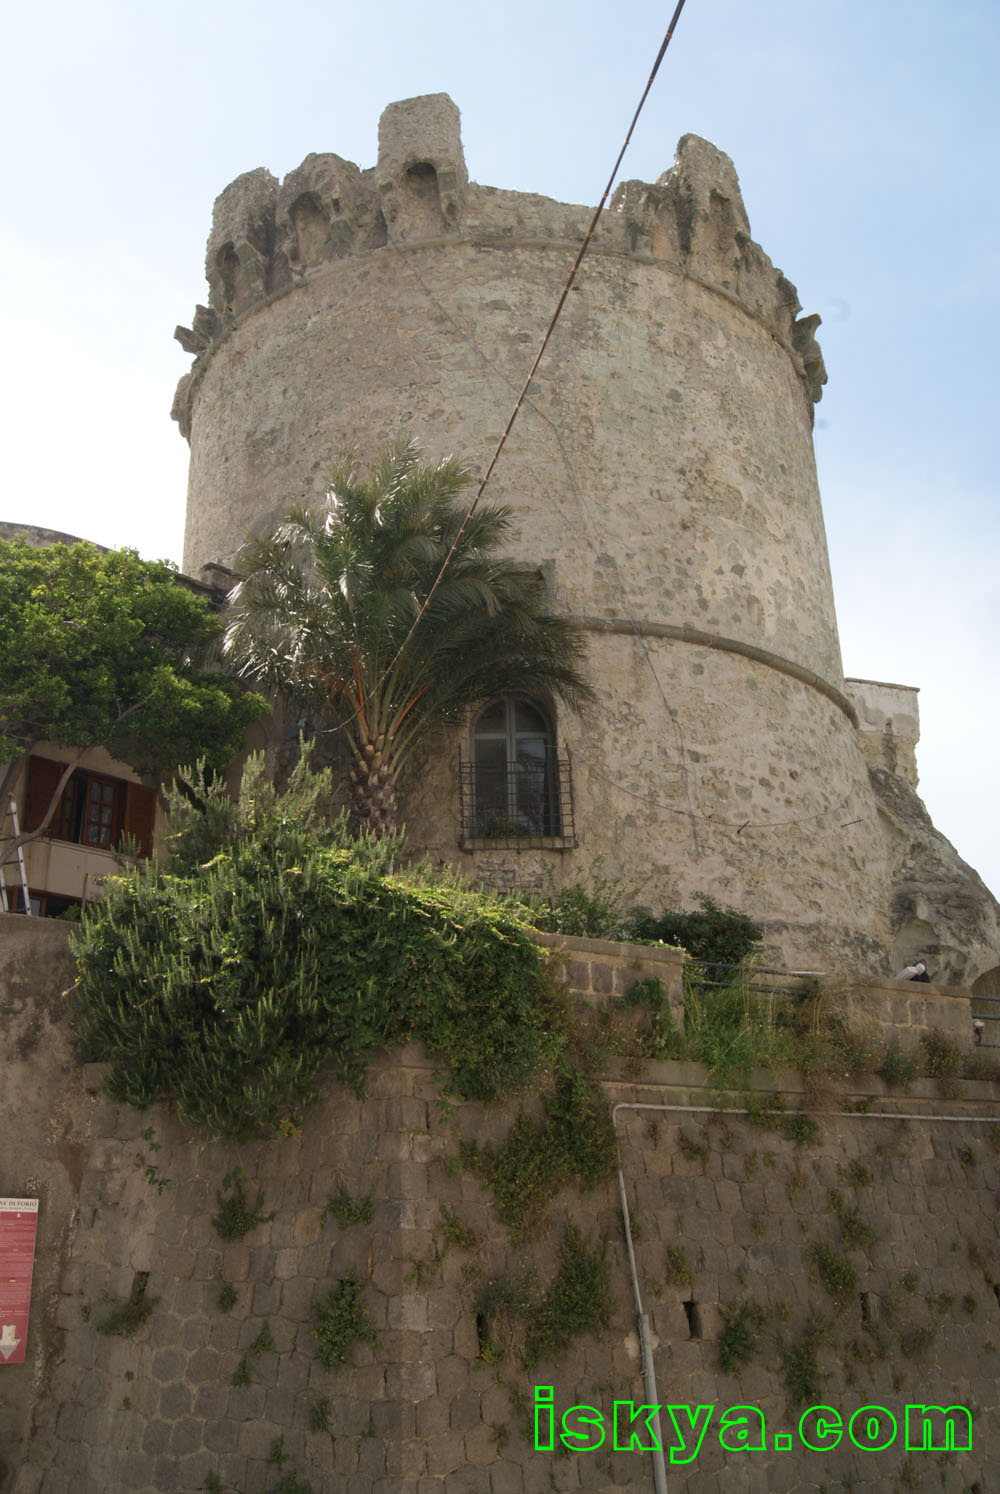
18 1218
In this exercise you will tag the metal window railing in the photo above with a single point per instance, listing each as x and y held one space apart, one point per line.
519 807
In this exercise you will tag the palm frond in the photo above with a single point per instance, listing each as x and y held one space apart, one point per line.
325 603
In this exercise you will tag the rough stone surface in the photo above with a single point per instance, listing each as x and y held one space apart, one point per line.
662 476
941 911
722 1214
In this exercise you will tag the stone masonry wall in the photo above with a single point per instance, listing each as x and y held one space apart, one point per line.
724 1215
661 476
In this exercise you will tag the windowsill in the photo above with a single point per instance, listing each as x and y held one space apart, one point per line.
517 843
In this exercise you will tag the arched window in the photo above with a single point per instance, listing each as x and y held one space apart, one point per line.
514 780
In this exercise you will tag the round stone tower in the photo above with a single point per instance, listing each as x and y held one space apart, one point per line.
663 478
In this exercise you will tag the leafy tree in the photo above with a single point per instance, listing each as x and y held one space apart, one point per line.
104 649
227 985
338 609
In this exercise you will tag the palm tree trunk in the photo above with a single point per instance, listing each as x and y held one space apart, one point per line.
374 784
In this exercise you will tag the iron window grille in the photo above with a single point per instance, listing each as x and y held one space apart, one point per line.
520 807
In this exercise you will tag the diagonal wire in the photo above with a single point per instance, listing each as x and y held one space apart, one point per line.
584 246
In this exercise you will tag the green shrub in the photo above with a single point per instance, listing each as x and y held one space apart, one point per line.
800 1374
347 1210
942 1059
229 983
716 935
126 1316
899 1066
235 1217
341 1319
678 1270
226 1299
740 1336
575 1142
583 913
516 1318
837 1273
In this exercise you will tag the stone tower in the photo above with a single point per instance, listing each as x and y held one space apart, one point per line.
662 474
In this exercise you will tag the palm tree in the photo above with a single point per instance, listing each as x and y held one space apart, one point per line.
338 609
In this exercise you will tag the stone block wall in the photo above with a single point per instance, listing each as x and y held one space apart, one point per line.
892 1202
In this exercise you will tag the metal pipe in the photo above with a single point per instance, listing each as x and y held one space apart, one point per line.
642 1319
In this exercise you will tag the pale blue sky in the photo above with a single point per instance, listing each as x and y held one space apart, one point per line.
866 140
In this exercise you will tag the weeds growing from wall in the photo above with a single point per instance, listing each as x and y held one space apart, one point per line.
340 1319
836 1272
225 1300
739 1339
678 1270
346 1210
236 1217
126 1316
573 1143
519 1319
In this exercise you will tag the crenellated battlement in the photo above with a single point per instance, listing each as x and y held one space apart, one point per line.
269 236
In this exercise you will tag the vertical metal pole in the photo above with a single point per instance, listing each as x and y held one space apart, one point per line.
645 1345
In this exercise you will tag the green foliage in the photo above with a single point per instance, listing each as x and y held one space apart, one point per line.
319 1414
575 1141
226 1298
105 650
983 1066
968 1156
290 1483
740 1337
517 1318
263 1344
801 1129
836 1272
578 1299
346 1210
340 1319
914 1338
678 1270
695 1149
800 1371
899 1066
235 1217
129 1314
228 983
856 1231
657 1036
277 1456
715 935
942 1059
734 1029
457 1236
594 913
331 612
214 1484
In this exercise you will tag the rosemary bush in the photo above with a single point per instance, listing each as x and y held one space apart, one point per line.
272 944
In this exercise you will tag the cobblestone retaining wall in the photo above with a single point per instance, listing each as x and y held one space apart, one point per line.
724 1215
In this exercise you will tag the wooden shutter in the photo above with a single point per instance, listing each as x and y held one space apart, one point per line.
140 814
43 779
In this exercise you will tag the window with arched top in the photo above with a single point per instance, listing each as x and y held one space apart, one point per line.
514 788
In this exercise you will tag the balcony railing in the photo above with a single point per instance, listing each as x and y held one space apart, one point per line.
519 808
